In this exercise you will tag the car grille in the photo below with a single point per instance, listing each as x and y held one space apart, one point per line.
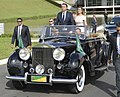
44 57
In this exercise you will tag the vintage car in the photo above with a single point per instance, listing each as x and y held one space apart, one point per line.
55 59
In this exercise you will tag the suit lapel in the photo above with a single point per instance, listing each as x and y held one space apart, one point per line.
61 17
22 29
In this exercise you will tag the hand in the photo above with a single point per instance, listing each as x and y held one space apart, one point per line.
109 61
29 47
12 46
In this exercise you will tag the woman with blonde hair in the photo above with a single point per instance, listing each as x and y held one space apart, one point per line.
80 19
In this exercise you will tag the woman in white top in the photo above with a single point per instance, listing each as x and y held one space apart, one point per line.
80 19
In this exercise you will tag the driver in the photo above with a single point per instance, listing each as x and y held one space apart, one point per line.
80 34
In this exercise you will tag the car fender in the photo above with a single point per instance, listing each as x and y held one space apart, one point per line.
76 57
14 62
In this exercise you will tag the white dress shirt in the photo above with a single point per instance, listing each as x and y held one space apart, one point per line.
118 43
64 15
19 29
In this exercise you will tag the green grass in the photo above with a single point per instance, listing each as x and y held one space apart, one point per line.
5 49
36 13
31 23
30 10
25 8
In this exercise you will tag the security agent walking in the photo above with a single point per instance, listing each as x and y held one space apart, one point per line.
21 35
64 17
94 24
115 48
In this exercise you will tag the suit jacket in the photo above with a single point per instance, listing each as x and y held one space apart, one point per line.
113 47
25 34
49 31
94 22
68 21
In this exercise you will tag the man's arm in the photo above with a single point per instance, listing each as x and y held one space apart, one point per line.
28 35
72 19
110 49
57 20
13 36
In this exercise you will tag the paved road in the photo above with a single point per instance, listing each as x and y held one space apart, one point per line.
102 85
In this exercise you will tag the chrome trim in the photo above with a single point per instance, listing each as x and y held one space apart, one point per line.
51 79
26 77
70 81
16 78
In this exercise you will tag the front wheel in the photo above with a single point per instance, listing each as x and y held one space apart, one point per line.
19 84
78 86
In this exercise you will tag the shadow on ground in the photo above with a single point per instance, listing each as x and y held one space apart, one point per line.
106 87
56 88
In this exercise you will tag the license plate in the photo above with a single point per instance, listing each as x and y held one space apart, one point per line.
42 79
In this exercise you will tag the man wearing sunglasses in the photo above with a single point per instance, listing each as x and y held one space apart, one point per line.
21 35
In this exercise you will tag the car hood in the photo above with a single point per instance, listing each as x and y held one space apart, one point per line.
53 43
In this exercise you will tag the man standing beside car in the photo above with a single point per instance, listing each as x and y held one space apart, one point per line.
94 24
64 17
115 48
21 35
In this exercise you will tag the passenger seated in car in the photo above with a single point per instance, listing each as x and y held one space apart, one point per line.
51 22
49 28
81 35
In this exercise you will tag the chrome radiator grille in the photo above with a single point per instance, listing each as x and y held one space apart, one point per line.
43 56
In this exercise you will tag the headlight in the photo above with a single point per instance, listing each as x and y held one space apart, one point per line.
59 54
24 54
39 69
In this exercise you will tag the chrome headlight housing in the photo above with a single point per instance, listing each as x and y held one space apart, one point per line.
59 54
24 54
40 69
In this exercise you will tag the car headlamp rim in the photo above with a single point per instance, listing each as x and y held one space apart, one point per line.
24 54
39 69
59 54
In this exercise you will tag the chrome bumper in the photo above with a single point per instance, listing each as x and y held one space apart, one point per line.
51 80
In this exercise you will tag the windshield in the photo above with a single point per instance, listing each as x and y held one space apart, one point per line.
61 30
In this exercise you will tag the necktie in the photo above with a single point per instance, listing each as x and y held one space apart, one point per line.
63 17
118 44
20 42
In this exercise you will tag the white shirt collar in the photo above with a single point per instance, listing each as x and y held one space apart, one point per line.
20 29
64 14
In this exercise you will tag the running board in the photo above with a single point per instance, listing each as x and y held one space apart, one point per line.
101 68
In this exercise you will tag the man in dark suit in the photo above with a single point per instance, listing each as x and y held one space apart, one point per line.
49 28
115 49
94 24
21 35
64 17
